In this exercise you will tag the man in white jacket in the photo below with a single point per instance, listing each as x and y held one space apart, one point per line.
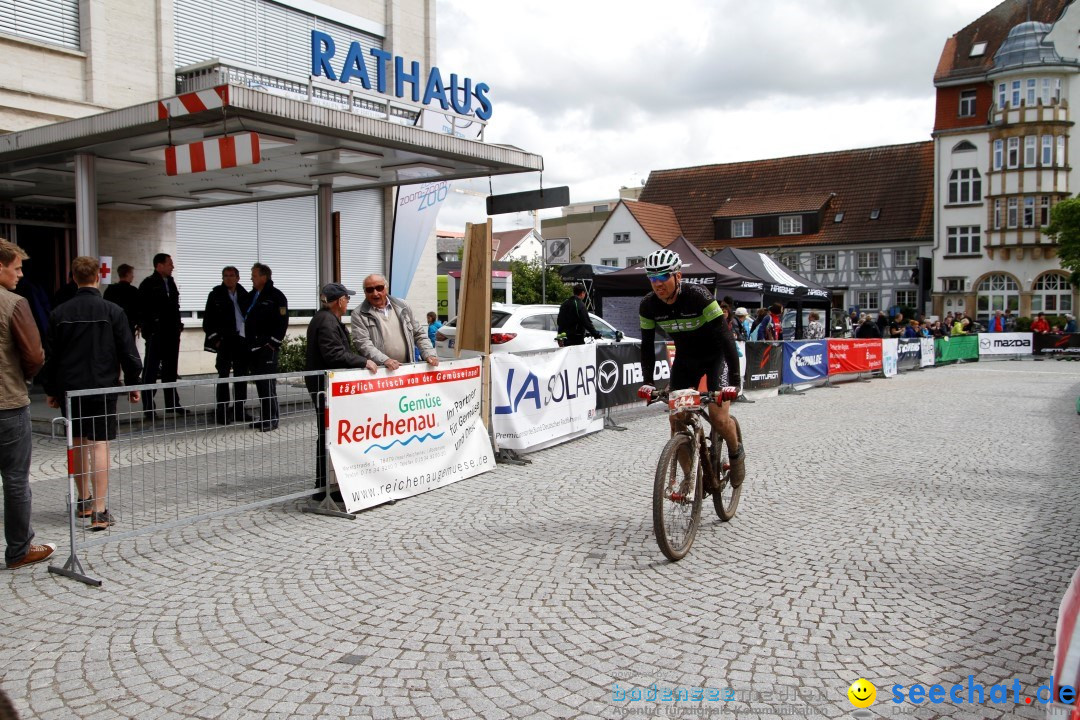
384 329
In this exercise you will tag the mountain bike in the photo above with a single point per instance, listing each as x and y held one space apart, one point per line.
694 463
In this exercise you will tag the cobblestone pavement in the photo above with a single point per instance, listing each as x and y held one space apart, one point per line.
917 529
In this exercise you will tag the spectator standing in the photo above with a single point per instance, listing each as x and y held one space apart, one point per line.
1070 323
265 324
897 326
433 327
223 324
868 328
384 329
913 330
23 357
89 344
814 329
741 326
1039 324
126 295
328 348
776 315
1010 321
574 322
159 302
998 324
762 329
40 306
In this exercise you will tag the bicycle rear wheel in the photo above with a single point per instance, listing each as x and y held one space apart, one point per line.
725 498
676 498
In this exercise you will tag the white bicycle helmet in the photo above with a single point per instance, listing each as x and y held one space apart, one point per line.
662 261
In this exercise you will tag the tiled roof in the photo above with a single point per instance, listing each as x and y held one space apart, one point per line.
772 204
504 241
658 221
992 28
898 180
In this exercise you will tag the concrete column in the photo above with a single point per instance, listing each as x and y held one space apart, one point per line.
86 218
324 211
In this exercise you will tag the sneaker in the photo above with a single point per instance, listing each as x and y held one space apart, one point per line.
738 467
85 507
37 554
101 520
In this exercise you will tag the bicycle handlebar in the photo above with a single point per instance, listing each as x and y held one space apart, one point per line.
724 394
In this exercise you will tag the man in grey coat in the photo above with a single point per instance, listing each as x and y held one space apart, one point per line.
384 329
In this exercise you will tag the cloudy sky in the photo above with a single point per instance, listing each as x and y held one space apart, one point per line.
607 91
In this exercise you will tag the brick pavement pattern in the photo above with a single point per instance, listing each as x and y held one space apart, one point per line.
915 529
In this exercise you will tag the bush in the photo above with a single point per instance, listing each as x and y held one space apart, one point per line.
1023 324
293 355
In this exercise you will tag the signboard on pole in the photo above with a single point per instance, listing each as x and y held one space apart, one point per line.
557 251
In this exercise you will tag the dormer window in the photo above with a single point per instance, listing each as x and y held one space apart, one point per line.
791 225
742 228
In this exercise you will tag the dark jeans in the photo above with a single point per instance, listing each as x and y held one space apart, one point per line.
162 350
264 362
319 400
232 356
15 470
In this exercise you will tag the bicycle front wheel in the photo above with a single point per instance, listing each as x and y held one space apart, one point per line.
676 497
725 498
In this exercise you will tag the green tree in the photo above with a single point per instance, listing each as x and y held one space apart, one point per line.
1064 229
527 283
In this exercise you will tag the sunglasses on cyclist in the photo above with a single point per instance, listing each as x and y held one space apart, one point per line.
659 277
374 288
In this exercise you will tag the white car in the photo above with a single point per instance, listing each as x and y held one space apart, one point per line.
520 328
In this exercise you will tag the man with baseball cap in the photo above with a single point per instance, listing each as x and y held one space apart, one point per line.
328 348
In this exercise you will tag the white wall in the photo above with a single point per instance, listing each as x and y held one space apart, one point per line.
603 246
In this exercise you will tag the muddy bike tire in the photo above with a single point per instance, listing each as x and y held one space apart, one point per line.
675 522
725 498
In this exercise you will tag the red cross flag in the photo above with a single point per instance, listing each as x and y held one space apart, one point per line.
106 269
213 154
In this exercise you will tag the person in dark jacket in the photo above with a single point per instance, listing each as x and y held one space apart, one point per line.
89 344
868 329
574 322
265 324
329 348
126 295
223 324
159 303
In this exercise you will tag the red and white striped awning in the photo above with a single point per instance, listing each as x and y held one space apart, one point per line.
213 154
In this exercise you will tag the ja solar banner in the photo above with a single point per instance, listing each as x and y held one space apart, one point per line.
805 361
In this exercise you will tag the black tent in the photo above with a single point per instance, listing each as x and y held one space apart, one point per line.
696 268
779 284
585 273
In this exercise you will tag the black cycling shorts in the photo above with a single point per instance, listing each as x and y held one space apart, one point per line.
93 417
686 373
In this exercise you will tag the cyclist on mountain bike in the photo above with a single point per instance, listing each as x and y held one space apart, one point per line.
704 344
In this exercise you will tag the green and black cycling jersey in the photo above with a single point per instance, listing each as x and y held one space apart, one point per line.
696 325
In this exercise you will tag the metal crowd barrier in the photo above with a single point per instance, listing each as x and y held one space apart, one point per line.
173 468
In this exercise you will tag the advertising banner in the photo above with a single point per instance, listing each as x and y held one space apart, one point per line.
1046 344
851 355
541 398
889 351
927 358
909 353
957 347
805 361
393 435
764 361
416 208
618 372
1005 344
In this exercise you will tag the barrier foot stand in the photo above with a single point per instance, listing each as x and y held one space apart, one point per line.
610 424
73 569
505 455
789 390
743 398
327 506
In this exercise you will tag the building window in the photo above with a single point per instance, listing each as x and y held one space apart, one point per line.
997 292
1047 150
634 260
1016 93
1001 96
1045 91
1030 151
1060 160
1044 210
839 217
907 298
1013 158
622 238
868 299
599 208
997 214
868 260
952 284
965 186
825 261
742 228
963 240
1029 212
967 103
610 262
999 152
790 261
1031 91
905 258
54 23
1052 294
1011 217
791 225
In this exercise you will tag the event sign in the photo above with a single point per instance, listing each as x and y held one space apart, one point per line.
396 434
957 347
1005 344
764 361
854 355
909 353
1048 344
805 361
927 346
889 352
618 372
542 397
